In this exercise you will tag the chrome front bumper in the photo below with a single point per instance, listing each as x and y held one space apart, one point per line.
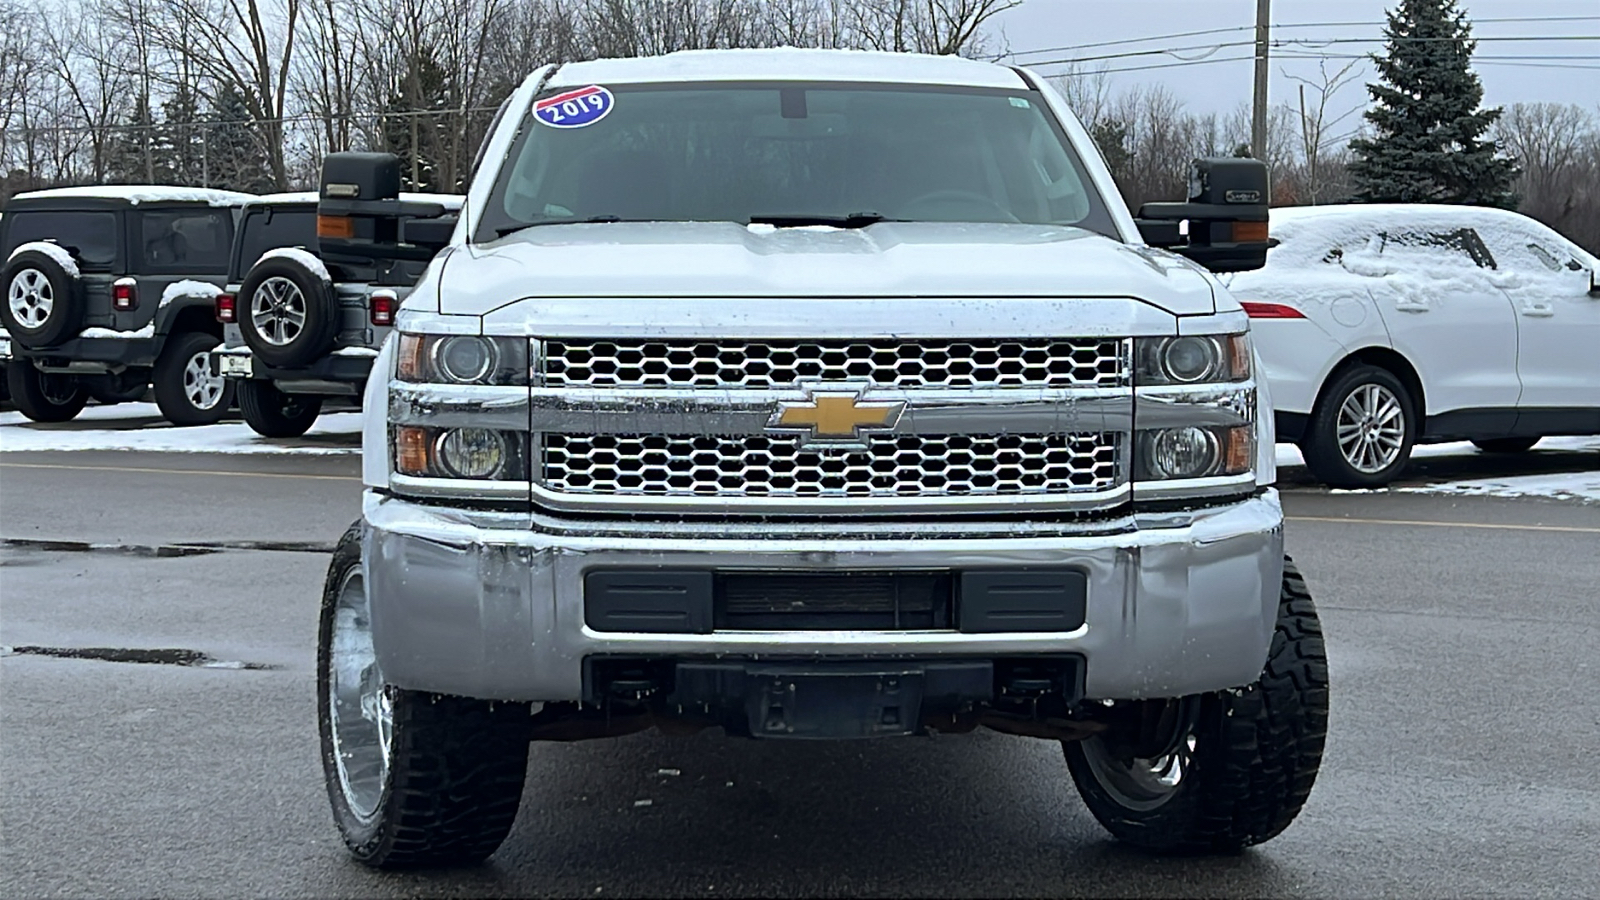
471 604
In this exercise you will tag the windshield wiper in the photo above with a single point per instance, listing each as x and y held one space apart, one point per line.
850 220
513 229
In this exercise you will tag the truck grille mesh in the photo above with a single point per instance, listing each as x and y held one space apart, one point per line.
890 466
908 365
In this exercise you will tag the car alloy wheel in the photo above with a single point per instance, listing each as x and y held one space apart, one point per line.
278 311
31 298
203 389
1371 428
1139 784
362 709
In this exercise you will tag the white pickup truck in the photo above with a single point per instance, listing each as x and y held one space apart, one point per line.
816 394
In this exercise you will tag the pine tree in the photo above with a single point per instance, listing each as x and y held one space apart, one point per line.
235 155
1428 144
408 128
126 152
179 139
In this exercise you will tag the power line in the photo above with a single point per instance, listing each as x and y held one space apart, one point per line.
1240 28
1276 43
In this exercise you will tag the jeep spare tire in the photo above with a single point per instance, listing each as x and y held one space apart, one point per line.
288 312
43 297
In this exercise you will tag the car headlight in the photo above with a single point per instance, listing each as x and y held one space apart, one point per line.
1192 359
478 454
461 359
1191 451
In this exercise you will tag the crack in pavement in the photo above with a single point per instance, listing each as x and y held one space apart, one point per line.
165 551
168 656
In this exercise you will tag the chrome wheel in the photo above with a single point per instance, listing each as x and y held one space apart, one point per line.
361 709
203 389
1371 428
278 311
31 298
1139 784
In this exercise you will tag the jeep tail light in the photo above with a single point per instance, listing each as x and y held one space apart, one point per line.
124 294
1270 310
381 307
227 311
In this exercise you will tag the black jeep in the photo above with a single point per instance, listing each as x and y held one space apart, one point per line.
304 316
108 292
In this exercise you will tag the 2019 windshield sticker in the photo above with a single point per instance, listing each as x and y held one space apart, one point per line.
575 109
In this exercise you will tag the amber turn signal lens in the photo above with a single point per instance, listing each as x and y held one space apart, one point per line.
410 358
411 456
336 227
1249 232
1238 357
1239 454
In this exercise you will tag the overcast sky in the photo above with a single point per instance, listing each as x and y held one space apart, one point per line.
1562 70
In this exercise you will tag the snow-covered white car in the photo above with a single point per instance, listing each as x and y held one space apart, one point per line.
1384 326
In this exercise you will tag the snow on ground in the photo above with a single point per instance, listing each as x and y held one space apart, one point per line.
139 426
1583 486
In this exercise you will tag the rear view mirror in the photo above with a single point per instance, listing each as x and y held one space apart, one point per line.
359 211
1226 215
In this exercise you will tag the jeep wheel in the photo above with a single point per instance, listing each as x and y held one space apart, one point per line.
185 389
1361 431
415 779
44 396
1239 769
273 413
43 302
1506 444
288 314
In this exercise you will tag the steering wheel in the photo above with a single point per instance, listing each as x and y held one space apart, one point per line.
953 197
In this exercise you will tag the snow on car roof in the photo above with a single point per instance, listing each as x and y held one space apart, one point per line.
140 193
449 201
789 64
1330 226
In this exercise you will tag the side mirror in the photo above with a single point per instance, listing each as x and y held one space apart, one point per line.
359 211
1226 214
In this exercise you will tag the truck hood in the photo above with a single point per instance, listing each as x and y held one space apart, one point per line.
889 259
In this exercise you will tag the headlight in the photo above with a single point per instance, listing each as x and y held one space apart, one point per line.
1195 452
479 454
1192 359
461 359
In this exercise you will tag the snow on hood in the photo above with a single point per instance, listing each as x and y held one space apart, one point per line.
724 259
1328 253
141 193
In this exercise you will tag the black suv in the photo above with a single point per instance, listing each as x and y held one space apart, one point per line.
109 290
305 315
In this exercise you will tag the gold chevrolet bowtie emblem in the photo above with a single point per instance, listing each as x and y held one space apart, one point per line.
835 416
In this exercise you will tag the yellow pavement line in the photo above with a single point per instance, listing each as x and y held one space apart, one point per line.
12 465
1572 529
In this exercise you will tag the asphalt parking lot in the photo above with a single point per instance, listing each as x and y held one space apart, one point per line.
1461 634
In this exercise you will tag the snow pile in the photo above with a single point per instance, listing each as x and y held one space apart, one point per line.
147 331
189 288
141 193
139 426
54 251
303 257
1409 257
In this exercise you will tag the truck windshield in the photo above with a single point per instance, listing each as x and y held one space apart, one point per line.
796 154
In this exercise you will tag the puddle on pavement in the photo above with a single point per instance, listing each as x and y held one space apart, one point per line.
165 551
156 657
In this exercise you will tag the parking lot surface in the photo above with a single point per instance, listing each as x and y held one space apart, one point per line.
1461 634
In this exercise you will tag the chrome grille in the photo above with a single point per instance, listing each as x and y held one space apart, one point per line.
908 365
890 466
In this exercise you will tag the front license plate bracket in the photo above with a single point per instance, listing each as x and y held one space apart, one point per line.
831 705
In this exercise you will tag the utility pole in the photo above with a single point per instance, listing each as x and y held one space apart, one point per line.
1258 118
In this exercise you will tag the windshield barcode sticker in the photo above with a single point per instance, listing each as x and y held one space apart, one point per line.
575 109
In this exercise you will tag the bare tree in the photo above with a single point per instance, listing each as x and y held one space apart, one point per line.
245 45
1317 143
1558 147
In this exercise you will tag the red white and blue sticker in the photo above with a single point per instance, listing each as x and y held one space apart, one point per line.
575 109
